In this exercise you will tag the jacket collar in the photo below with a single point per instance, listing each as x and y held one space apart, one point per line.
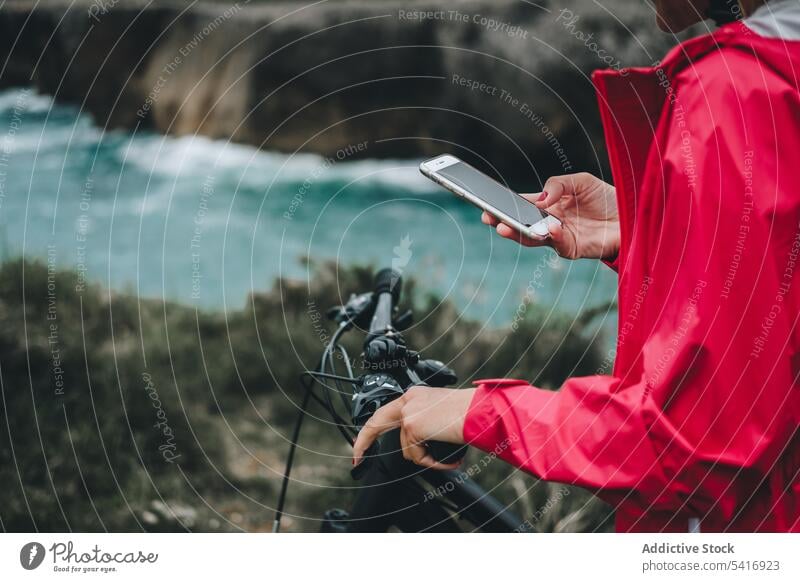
631 102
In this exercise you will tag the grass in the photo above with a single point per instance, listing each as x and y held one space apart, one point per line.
218 393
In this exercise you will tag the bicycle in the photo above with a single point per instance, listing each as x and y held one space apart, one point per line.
392 490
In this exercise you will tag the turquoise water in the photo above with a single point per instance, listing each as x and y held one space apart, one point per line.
206 222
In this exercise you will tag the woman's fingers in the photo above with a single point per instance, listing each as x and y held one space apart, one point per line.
415 451
559 240
532 197
385 419
425 459
554 189
556 233
487 218
563 197
404 446
507 232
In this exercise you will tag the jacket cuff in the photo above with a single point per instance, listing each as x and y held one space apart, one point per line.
494 401
613 264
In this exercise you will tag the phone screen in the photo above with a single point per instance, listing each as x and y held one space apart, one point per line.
492 192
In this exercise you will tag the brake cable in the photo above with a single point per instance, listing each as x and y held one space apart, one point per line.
346 359
276 525
314 375
309 393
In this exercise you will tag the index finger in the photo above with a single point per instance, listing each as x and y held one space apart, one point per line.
385 419
554 189
487 218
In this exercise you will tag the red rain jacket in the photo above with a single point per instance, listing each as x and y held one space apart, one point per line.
699 421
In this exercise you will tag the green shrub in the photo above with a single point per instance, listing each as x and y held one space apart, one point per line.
93 455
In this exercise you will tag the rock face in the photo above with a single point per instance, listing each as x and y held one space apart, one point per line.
503 83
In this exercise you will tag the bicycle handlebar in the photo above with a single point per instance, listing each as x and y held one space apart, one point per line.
388 284
391 369
394 365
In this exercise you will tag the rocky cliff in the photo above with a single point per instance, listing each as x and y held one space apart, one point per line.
504 82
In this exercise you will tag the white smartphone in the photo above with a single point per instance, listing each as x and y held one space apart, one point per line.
489 195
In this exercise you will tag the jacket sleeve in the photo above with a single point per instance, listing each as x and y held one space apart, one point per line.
612 264
586 434
708 402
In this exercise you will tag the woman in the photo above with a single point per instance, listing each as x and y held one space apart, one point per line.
697 428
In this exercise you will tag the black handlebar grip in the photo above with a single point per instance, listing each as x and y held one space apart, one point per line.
389 281
446 452
442 452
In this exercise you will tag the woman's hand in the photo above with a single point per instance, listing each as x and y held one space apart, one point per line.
422 414
587 208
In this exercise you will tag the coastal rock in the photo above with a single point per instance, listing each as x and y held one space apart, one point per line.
503 83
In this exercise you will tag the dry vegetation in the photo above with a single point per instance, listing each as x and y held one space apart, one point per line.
92 458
